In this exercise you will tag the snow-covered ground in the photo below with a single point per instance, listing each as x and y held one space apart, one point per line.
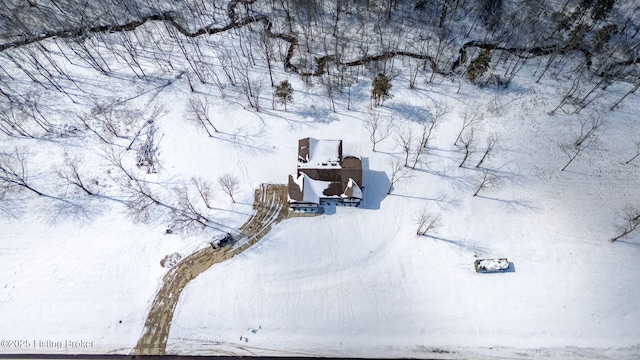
352 282
359 281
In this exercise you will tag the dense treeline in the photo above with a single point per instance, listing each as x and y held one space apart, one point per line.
321 37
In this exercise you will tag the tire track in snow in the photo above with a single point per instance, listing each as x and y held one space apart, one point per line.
216 347
269 205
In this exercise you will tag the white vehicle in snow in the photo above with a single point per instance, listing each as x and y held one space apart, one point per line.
491 265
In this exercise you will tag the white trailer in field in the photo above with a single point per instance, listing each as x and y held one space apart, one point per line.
491 265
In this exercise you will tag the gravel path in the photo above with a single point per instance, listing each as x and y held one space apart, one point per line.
271 207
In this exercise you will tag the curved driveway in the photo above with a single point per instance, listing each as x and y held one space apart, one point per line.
271 207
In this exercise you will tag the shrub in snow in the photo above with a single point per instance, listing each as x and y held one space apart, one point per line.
170 260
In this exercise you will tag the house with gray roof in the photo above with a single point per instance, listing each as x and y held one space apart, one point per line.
324 176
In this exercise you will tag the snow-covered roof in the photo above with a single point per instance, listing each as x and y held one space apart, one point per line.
317 154
324 173
352 190
312 191
299 181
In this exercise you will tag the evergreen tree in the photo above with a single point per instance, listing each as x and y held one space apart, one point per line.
284 93
479 65
380 89
600 9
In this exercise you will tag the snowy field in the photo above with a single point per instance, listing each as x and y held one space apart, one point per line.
353 281
359 281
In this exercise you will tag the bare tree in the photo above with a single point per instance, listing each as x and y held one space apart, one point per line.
398 172
252 90
17 118
70 174
421 146
14 171
404 138
470 117
149 120
378 128
114 118
251 87
572 151
487 181
329 86
203 187
492 140
142 201
633 89
267 51
631 223
439 111
114 156
148 152
427 131
90 125
197 111
186 216
12 123
637 142
587 130
229 184
574 88
467 144
427 222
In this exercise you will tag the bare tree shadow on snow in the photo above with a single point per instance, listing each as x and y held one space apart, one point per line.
418 114
463 183
12 208
512 177
441 199
514 205
242 139
633 244
78 209
428 90
461 244
319 115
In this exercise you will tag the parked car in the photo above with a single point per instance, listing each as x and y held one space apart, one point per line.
226 240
